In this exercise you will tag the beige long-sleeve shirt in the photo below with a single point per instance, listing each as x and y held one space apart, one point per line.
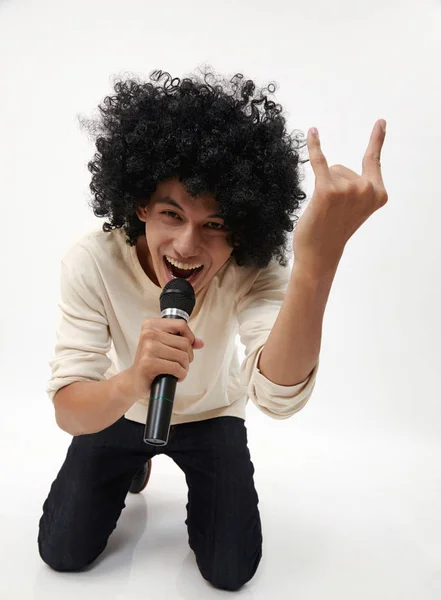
105 297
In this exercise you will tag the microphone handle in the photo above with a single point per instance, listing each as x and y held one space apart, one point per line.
162 395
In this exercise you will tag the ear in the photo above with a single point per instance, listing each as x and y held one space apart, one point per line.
141 212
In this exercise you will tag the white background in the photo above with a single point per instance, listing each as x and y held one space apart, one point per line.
349 487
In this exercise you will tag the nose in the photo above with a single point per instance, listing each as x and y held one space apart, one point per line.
187 242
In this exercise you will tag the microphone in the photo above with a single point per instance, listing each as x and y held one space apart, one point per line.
177 301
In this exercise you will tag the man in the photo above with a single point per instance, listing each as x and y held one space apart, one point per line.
197 181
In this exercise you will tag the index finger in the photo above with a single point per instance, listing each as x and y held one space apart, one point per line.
316 157
180 326
170 325
372 158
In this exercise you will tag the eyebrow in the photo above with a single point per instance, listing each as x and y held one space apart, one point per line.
168 200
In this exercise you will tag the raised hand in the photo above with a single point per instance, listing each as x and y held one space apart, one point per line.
342 201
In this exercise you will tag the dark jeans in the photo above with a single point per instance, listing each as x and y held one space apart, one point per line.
223 520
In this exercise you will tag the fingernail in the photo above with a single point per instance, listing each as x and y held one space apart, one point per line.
383 124
314 131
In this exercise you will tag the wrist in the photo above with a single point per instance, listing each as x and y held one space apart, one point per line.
123 388
314 274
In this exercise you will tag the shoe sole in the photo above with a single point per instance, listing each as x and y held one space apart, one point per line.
148 476
146 481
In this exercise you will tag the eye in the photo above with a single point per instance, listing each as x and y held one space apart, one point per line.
219 226
169 212
172 215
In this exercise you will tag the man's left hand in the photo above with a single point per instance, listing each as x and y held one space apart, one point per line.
342 201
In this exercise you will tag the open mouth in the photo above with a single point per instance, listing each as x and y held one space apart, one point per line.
173 272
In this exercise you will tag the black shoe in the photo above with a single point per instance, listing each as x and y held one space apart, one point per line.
141 478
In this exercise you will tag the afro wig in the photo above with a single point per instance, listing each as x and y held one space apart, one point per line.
220 139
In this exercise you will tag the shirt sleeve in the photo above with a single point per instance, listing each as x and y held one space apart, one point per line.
82 337
257 312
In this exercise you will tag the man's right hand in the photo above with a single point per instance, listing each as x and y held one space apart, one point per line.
165 347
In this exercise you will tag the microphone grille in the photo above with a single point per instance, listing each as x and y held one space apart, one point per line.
178 293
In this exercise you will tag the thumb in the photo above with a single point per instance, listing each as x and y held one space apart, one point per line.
198 343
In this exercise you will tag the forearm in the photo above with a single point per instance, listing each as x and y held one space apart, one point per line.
90 406
293 346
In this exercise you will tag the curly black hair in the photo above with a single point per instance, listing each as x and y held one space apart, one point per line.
217 139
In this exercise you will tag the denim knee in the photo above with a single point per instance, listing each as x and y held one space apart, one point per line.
63 562
226 576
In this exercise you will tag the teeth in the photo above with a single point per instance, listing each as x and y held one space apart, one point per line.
181 265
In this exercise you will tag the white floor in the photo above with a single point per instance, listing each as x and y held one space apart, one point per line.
342 519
